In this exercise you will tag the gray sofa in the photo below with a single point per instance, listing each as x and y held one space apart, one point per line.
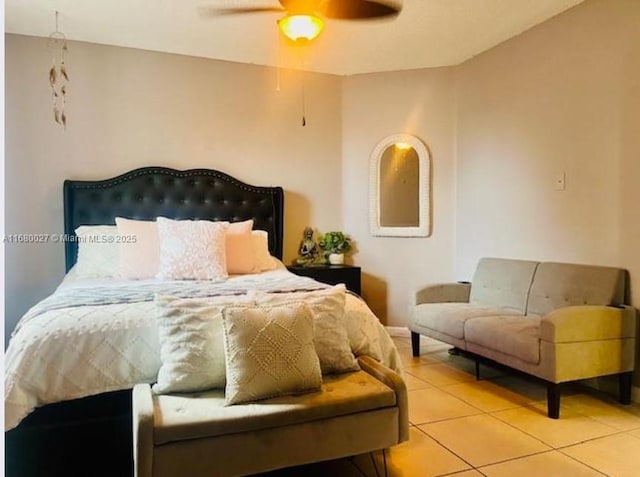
557 321
196 435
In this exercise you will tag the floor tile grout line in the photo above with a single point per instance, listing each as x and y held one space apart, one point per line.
617 433
447 419
445 447
471 404
481 411
479 467
487 413
453 474
514 458
579 461
439 386
548 444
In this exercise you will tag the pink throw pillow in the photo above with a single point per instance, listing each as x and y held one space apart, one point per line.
264 260
139 257
192 249
240 254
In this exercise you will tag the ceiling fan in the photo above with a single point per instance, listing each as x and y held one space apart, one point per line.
303 20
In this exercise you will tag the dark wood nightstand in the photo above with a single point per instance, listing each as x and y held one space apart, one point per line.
331 274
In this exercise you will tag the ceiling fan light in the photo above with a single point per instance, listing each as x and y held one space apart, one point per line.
301 27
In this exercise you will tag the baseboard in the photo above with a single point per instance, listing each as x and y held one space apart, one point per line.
398 331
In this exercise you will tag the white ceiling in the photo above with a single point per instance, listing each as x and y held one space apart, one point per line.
428 33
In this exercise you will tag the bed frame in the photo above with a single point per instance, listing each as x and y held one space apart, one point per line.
93 435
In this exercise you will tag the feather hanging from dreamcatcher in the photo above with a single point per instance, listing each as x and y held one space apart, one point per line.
58 75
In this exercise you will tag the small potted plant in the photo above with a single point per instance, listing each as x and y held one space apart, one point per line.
335 245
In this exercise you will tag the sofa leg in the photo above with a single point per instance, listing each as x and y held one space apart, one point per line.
375 464
384 461
553 400
415 344
477 369
625 382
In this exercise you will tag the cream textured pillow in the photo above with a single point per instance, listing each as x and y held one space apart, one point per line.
264 260
98 251
192 249
330 332
191 342
241 258
269 352
140 257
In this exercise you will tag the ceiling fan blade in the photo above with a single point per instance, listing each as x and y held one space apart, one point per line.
211 11
301 6
360 9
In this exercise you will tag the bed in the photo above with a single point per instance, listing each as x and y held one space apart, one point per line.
70 365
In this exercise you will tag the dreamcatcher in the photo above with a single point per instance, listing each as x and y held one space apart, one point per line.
58 77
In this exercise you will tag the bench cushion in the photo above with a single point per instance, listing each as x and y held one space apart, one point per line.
181 417
516 336
450 318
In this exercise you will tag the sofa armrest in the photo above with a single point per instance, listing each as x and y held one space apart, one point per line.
572 324
443 293
394 381
142 430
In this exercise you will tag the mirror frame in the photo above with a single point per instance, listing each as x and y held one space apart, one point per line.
424 193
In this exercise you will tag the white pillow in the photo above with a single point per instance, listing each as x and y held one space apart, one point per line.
191 342
269 352
139 256
264 260
330 332
192 249
98 251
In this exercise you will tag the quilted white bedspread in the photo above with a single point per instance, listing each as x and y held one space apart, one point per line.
75 351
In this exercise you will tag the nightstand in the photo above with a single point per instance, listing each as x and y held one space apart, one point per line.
331 274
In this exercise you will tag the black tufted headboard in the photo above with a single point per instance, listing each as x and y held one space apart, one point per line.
151 192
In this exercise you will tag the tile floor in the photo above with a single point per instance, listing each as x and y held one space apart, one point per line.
497 427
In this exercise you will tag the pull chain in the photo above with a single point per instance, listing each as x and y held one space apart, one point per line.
301 65
304 119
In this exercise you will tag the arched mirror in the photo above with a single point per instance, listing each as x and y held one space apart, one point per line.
400 172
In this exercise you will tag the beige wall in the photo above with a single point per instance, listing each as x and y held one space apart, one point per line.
548 101
420 102
131 108
564 96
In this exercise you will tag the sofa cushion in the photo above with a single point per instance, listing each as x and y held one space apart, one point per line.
556 285
450 318
503 283
198 415
516 336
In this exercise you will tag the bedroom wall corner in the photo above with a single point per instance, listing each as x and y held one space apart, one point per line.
419 102
130 108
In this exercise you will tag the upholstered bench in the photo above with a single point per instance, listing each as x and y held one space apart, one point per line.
197 435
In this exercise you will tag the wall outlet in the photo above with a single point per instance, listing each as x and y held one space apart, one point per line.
560 181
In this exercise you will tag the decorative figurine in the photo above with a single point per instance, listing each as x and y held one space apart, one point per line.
309 249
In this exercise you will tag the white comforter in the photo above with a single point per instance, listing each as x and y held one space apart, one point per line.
76 351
